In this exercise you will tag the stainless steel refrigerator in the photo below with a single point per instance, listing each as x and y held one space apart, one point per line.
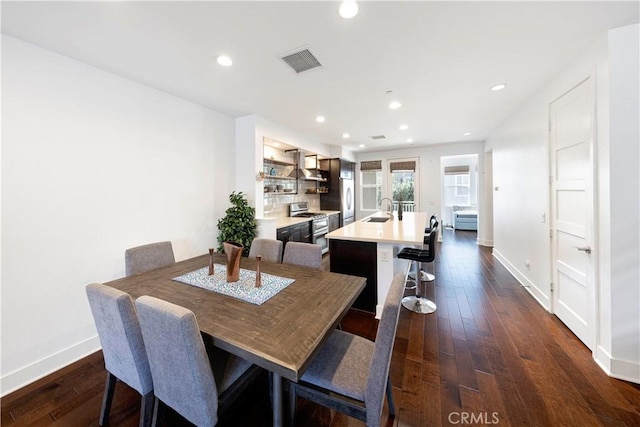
347 201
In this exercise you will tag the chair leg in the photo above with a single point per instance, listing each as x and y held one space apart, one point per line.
156 412
392 407
107 398
146 409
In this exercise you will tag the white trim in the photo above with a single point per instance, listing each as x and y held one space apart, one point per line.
534 290
626 370
485 242
47 365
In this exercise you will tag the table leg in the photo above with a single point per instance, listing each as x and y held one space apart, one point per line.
277 400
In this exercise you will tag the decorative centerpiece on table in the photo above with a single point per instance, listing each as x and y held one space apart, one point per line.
238 224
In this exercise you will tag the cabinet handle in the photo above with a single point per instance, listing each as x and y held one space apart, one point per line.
585 249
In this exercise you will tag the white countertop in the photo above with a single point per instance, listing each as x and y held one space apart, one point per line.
287 221
408 231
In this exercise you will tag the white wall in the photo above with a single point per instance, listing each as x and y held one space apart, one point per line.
520 165
92 164
430 192
623 356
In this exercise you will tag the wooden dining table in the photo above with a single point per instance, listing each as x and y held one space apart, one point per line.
282 335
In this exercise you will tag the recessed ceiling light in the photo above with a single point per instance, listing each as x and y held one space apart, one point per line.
409 140
395 105
320 119
498 87
348 9
224 60
361 145
403 127
466 134
345 135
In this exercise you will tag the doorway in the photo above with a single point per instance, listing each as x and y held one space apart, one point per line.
459 187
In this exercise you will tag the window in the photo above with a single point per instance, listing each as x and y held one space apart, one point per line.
457 184
371 179
403 182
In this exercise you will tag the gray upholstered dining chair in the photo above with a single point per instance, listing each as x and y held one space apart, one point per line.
148 257
350 373
125 358
269 249
194 383
303 254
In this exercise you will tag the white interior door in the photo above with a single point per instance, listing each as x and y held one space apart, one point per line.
571 155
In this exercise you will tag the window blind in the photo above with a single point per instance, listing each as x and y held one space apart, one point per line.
456 170
403 166
373 165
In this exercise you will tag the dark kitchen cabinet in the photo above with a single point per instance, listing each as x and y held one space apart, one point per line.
295 233
346 169
283 234
334 222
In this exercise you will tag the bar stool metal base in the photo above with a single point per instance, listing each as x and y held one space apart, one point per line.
418 304
426 277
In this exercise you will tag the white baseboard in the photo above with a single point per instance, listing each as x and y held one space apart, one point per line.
484 242
531 287
621 369
43 367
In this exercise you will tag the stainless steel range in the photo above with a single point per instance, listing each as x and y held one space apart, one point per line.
319 223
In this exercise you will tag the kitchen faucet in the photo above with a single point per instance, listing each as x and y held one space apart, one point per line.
390 212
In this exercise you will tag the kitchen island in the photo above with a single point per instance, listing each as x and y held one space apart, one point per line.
368 248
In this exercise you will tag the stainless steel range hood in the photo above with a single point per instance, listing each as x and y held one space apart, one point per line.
302 172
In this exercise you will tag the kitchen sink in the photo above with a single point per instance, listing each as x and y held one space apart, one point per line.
378 219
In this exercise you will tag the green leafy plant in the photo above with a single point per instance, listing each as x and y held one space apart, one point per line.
403 190
239 223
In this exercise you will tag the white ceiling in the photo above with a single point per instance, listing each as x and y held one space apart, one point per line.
439 58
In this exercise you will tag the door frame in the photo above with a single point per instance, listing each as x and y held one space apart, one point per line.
593 305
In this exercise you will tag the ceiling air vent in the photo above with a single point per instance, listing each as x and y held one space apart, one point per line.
301 61
378 137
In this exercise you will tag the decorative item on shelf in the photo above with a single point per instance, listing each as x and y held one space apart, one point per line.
211 272
279 187
238 224
258 276
272 172
233 250
260 176
288 190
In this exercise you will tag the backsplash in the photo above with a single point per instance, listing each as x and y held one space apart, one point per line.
277 205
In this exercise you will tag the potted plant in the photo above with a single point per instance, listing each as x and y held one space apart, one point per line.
239 223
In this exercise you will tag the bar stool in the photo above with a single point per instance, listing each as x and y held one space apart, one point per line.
416 303
425 277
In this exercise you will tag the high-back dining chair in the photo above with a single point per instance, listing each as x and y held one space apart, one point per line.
269 249
125 358
148 257
350 373
196 384
303 254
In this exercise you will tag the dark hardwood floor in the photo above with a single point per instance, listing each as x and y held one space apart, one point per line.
489 355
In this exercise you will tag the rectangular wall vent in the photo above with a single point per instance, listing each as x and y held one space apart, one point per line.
378 137
301 61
